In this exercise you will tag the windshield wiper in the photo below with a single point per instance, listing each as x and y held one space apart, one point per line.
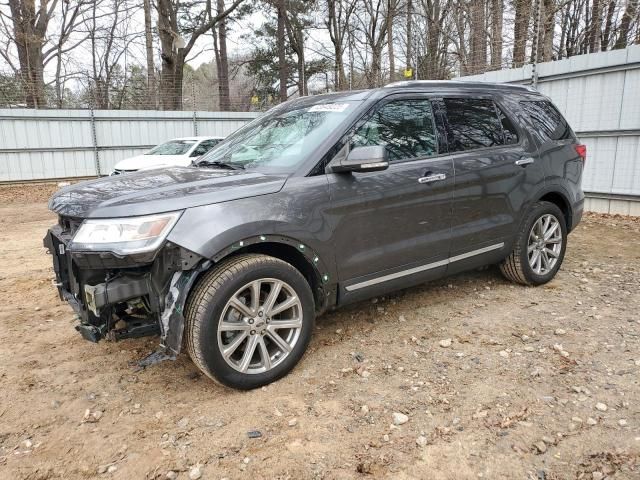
218 163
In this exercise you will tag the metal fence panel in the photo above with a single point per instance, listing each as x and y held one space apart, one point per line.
599 94
47 144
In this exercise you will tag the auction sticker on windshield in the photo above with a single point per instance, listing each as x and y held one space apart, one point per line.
330 107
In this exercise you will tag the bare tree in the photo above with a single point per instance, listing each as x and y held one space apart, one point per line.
520 30
477 36
497 11
594 28
409 35
148 40
281 41
391 15
296 24
433 64
111 33
175 49
372 24
629 16
222 60
337 23
29 29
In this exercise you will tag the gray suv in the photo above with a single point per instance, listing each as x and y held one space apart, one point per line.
323 201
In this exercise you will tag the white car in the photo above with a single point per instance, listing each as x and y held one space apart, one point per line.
176 152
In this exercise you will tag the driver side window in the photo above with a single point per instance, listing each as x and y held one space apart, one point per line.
405 127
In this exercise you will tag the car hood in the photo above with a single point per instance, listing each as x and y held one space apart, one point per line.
152 161
163 190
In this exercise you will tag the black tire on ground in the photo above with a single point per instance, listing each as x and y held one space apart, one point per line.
516 266
205 306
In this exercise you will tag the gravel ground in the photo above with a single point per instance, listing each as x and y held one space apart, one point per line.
468 377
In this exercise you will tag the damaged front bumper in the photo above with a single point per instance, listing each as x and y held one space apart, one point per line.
119 297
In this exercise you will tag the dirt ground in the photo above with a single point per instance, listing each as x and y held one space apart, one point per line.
537 383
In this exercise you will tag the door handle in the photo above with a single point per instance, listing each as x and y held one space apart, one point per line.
432 178
524 161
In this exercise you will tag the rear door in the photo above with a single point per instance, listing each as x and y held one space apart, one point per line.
393 226
496 175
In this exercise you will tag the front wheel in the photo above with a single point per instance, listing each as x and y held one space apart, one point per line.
539 247
249 320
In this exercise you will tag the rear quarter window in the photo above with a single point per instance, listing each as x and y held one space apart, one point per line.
547 120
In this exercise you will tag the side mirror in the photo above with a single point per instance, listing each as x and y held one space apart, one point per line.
363 159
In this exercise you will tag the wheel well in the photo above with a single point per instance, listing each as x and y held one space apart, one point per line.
561 202
292 256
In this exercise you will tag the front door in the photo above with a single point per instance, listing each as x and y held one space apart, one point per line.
393 227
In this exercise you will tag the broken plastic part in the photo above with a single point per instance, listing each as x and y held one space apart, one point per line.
172 318
158 356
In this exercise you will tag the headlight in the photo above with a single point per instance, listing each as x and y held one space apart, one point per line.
124 236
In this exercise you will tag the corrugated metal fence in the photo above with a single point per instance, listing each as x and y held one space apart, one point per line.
599 94
45 144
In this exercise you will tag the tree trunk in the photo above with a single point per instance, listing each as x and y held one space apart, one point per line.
302 76
430 63
151 69
594 30
175 49
391 13
172 60
410 62
564 25
338 24
520 31
223 67
477 36
606 36
461 46
29 28
496 34
547 31
376 67
282 56
625 25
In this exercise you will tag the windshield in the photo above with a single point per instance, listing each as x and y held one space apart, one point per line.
282 139
174 147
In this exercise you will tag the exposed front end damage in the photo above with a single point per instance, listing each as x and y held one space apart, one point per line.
117 297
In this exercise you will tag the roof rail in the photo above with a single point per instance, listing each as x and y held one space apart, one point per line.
457 83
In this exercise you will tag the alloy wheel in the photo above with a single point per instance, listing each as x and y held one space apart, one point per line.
260 325
545 244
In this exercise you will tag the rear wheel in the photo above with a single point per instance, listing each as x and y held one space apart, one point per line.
249 321
539 247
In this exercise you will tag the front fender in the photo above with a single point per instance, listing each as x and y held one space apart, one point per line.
294 216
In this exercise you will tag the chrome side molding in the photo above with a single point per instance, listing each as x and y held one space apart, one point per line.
422 268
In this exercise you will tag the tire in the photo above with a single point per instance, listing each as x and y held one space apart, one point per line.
228 290
517 266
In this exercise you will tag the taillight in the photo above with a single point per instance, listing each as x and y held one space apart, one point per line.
582 151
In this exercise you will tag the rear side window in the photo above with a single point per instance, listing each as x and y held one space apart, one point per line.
547 120
404 127
473 123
